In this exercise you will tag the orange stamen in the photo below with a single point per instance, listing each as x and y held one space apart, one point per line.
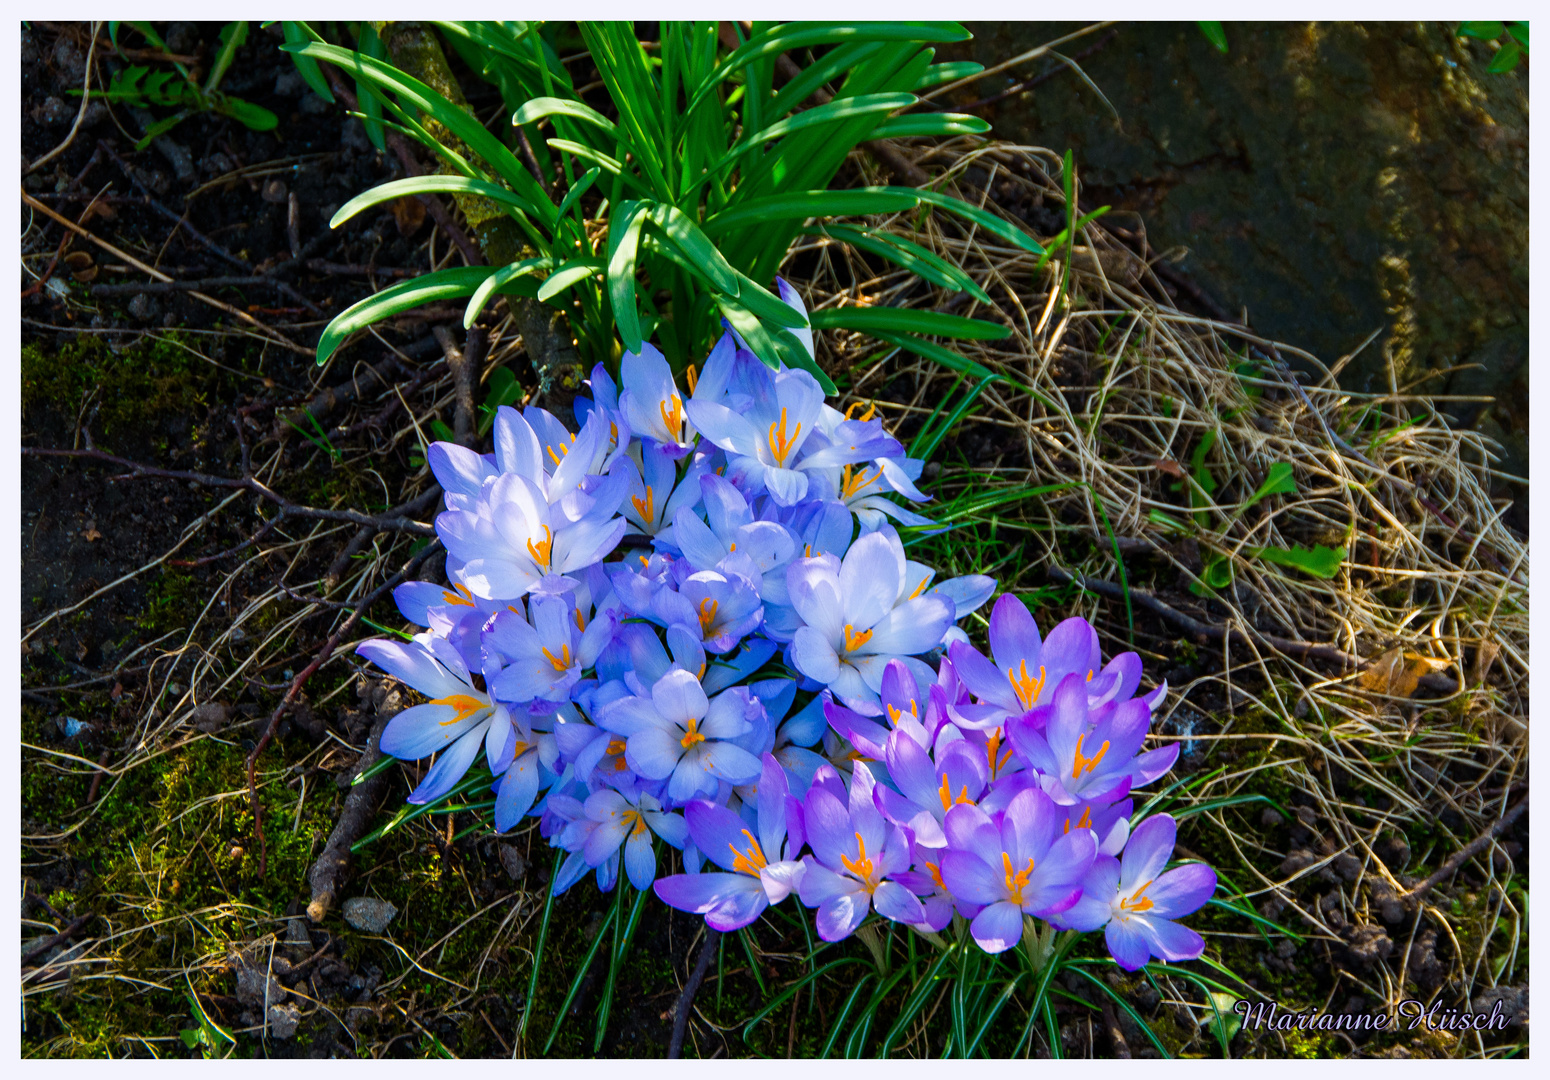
781 445
936 875
862 866
1016 883
750 861
564 449
561 662
1027 689
921 587
850 485
581 622
854 640
1087 764
692 736
465 705
707 614
692 377
948 802
462 597
1138 903
1083 822
541 550
856 405
894 712
646 507
672 417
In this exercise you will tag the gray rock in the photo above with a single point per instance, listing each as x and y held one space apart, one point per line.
57 113
289 83
513 862
144 307
251 981
275 192
368 913
283 1020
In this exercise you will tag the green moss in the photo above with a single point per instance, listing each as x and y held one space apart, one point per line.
132 387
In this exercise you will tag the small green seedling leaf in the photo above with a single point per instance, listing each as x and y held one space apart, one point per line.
1319 561
1214 34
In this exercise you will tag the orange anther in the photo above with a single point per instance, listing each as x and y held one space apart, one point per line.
541 550
1086 764
855 639
707 614
781 445
693 736
646 507
465 704
1026 688
561 662
750 861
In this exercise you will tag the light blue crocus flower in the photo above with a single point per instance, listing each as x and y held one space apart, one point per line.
1135 901
679 735
626 817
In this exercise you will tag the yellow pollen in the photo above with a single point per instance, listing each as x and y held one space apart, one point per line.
733 547
990 753
643 560
692 377
615 746
948 802
1016 883
1089 675
620 764
894 712
636 819
750 861
1087 764
672 416
465 705
581 622
936 875
540 551
854 640
1027 689
560 662
613 433
871 410
862 866
707 614
461 597
564 449
692 736
1138 903
781 444
851 485
921 587
647 507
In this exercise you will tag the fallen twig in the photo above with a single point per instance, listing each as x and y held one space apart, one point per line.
1467 852
686 999
80 114
359 807
64 935
1304 650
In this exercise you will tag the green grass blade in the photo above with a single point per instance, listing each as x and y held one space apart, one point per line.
906 253
707 258
622 935
586 965
796 988
427 185
306 67
446 284
540 107
839 1023
538 949
836 111
1123 1004
623 242
917 1001
929 125
983 218
505 274
565 275
891 320
608 164
801 205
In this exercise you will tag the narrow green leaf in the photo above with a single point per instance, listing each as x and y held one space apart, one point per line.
1506 58
603 161
766 305
428 185
929 125
578 189
442 285
928 264
488 287
1278 481
540 107
233 36
565 275
1518 31
250 116
1485 31
908 321
983 218
371 45
937 74
623 241
1214 34
802 205
1319 561
296 33
681 230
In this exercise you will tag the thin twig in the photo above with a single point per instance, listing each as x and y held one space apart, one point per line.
686 999
80 114
64 935
1467 852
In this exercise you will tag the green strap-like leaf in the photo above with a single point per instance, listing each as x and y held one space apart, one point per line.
983 218
427 185
603 161
566 275
505 274
540 107
911 256
579 188
297 33
442 285
937 74
891 320
681 230
929 125
459 122
623 241
810 204
833 112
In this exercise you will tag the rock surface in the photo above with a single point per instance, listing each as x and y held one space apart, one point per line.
369 914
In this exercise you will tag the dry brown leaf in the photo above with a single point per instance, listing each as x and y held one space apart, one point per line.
1397 673
409 213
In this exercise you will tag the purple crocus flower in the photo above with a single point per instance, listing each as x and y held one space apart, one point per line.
457 720
656 493
721 607
1137 901
651 403
1017 863
1085 753
854 621
929 790
855 852
762 869
542 661
679 735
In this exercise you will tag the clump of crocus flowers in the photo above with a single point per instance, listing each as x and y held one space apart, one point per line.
693 622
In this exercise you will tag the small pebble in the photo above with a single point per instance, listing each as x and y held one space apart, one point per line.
276 192
368 913
283 1020
514 863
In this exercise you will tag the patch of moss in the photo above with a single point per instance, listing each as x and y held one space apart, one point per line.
133 386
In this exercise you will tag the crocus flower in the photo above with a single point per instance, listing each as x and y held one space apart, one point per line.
456 722
627 817
762 870
855 622
651 403
1136 901
1085 753
855 852
1018 865
656 493
679 735
542 661
929 790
